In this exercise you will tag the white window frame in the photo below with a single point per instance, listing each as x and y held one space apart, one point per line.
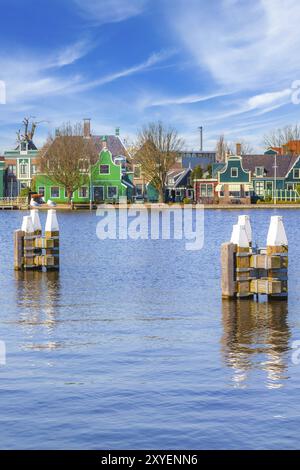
54 197
26 174
261 185
98 186
296 177
116 195
259 169
237 172
104 164
79 192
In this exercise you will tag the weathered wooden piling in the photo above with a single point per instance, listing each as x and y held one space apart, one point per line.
32 251
240 237
29 243
228 270
52 235
277 251
18 249
247 271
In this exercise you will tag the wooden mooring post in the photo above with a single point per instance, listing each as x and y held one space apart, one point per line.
32 251
249 271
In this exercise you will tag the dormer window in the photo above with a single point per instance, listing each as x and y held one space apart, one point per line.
234 172
259 171
296 173
24 146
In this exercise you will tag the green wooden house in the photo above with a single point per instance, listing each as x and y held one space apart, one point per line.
104 182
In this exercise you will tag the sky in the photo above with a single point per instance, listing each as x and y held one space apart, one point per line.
230 66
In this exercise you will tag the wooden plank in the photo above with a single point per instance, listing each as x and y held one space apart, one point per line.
18 250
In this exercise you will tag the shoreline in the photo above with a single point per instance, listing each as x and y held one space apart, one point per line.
65 207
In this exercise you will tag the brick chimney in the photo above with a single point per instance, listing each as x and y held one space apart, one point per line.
87 128
239 149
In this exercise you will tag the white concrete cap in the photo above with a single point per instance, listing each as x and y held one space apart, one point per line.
27 225
245 220
34 214
276 234
52 222
239 236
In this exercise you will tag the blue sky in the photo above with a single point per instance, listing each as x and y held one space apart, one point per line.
228 65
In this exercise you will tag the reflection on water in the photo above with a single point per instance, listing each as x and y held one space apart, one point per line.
38 295
256 337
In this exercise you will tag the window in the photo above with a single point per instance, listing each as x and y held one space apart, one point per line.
236 194
234 172
104 169
66 193
11 169
260 188
210 190
137 171
297 173
290 187
83 192
33 169
41 190
55 191
23 169
112 191
24 146
203 190
259 171
138 189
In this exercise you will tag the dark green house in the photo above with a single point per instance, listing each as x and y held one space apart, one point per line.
258 177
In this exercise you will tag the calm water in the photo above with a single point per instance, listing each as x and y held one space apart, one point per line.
132 347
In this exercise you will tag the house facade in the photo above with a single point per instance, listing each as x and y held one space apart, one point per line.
205 191
21 167
104 182
248 178
234 182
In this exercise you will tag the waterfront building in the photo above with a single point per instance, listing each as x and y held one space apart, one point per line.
20 167
104 182
2 164
179 186
246 178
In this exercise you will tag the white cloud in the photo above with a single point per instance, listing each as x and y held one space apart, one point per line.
110 11
245 45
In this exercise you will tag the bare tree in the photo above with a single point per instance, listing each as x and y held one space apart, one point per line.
222 149
158 148
280 137
66 158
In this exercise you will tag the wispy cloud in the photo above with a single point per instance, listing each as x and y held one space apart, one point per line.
151 101
109 11
152 61
243 45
